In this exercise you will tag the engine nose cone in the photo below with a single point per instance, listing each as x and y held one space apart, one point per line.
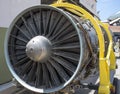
38 48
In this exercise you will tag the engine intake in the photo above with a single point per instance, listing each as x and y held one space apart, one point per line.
46 48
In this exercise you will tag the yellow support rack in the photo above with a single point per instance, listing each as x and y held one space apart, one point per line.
104 66
109 59
110 54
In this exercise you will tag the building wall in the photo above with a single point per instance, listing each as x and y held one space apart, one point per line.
5 75
116 31
9 9
90 5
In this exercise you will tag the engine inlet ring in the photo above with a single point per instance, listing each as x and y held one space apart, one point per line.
66 56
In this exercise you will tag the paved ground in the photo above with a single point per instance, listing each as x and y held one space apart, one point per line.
117 74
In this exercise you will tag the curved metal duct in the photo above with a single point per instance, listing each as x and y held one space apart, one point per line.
46 48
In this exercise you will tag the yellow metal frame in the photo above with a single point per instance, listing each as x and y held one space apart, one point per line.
105 63
110 54
110 61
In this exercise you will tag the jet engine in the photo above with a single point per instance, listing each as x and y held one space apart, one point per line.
48 49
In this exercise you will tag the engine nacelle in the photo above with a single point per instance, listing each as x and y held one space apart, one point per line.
47 48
